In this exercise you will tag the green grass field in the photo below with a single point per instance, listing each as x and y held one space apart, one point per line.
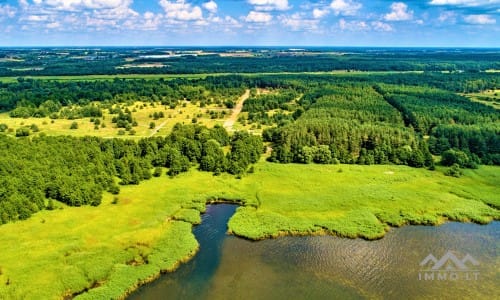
181 114
489 97
193 76
67 250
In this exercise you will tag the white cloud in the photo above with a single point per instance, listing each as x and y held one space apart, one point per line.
35 18
480 19
269 5
258 17
181 10
211 6
399 12
470 3
319 13
381 26
72 5
448 17
53 25
345 7
227 21
296 22
7 11
353 25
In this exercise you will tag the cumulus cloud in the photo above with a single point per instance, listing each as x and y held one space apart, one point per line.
35 18
319 13
211 6
448 17
297 22
353 25
181 10
258 17
72 5
381 26
480 19
345 7
399 12
7 11
470 3
269 5
53 25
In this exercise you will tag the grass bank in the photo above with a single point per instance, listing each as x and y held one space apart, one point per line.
112 248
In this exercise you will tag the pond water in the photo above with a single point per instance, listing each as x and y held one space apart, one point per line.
326 267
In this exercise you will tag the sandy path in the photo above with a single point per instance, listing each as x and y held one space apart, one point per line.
229 123
158 128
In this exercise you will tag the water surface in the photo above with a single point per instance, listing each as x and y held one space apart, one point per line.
328 267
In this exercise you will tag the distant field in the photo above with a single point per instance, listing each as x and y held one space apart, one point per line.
73 248
163 126
489 97
195 76
110 77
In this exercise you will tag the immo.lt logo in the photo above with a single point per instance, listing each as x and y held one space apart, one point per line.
448 267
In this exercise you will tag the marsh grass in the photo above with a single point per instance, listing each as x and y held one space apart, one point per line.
110 249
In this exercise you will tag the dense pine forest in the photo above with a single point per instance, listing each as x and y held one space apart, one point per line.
409 119
75 171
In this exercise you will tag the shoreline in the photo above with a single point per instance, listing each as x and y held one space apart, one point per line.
320 232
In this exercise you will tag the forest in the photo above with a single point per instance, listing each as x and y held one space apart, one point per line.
411 119
76 171
92 61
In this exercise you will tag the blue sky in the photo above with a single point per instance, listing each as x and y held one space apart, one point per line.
448 23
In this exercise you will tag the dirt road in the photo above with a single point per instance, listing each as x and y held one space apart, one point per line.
229 123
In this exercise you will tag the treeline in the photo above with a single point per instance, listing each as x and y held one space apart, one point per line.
43 97
76 171
40 98
451 121
274 61
349 123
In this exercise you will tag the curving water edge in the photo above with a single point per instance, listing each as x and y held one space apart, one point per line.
321 267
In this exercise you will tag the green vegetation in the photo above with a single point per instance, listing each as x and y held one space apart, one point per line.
76 171
98 215
111 248
110 61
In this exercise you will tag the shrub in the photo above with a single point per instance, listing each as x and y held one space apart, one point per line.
454 171
74 125
23 131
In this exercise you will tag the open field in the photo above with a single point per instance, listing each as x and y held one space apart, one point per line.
489 97
111 77
140 111
196 76
70 249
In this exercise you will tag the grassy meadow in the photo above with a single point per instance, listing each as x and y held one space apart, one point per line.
127 240
141 112
488 97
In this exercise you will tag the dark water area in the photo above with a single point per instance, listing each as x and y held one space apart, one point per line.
327 267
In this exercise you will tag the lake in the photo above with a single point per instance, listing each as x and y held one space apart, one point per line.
327 267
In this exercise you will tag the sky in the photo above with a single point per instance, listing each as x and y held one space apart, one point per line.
409 23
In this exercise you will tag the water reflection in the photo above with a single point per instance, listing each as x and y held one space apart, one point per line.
328 267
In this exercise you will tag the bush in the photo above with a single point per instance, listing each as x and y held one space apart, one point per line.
114 189
34 128
157 172
454 171
23 131
3 127
74 125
